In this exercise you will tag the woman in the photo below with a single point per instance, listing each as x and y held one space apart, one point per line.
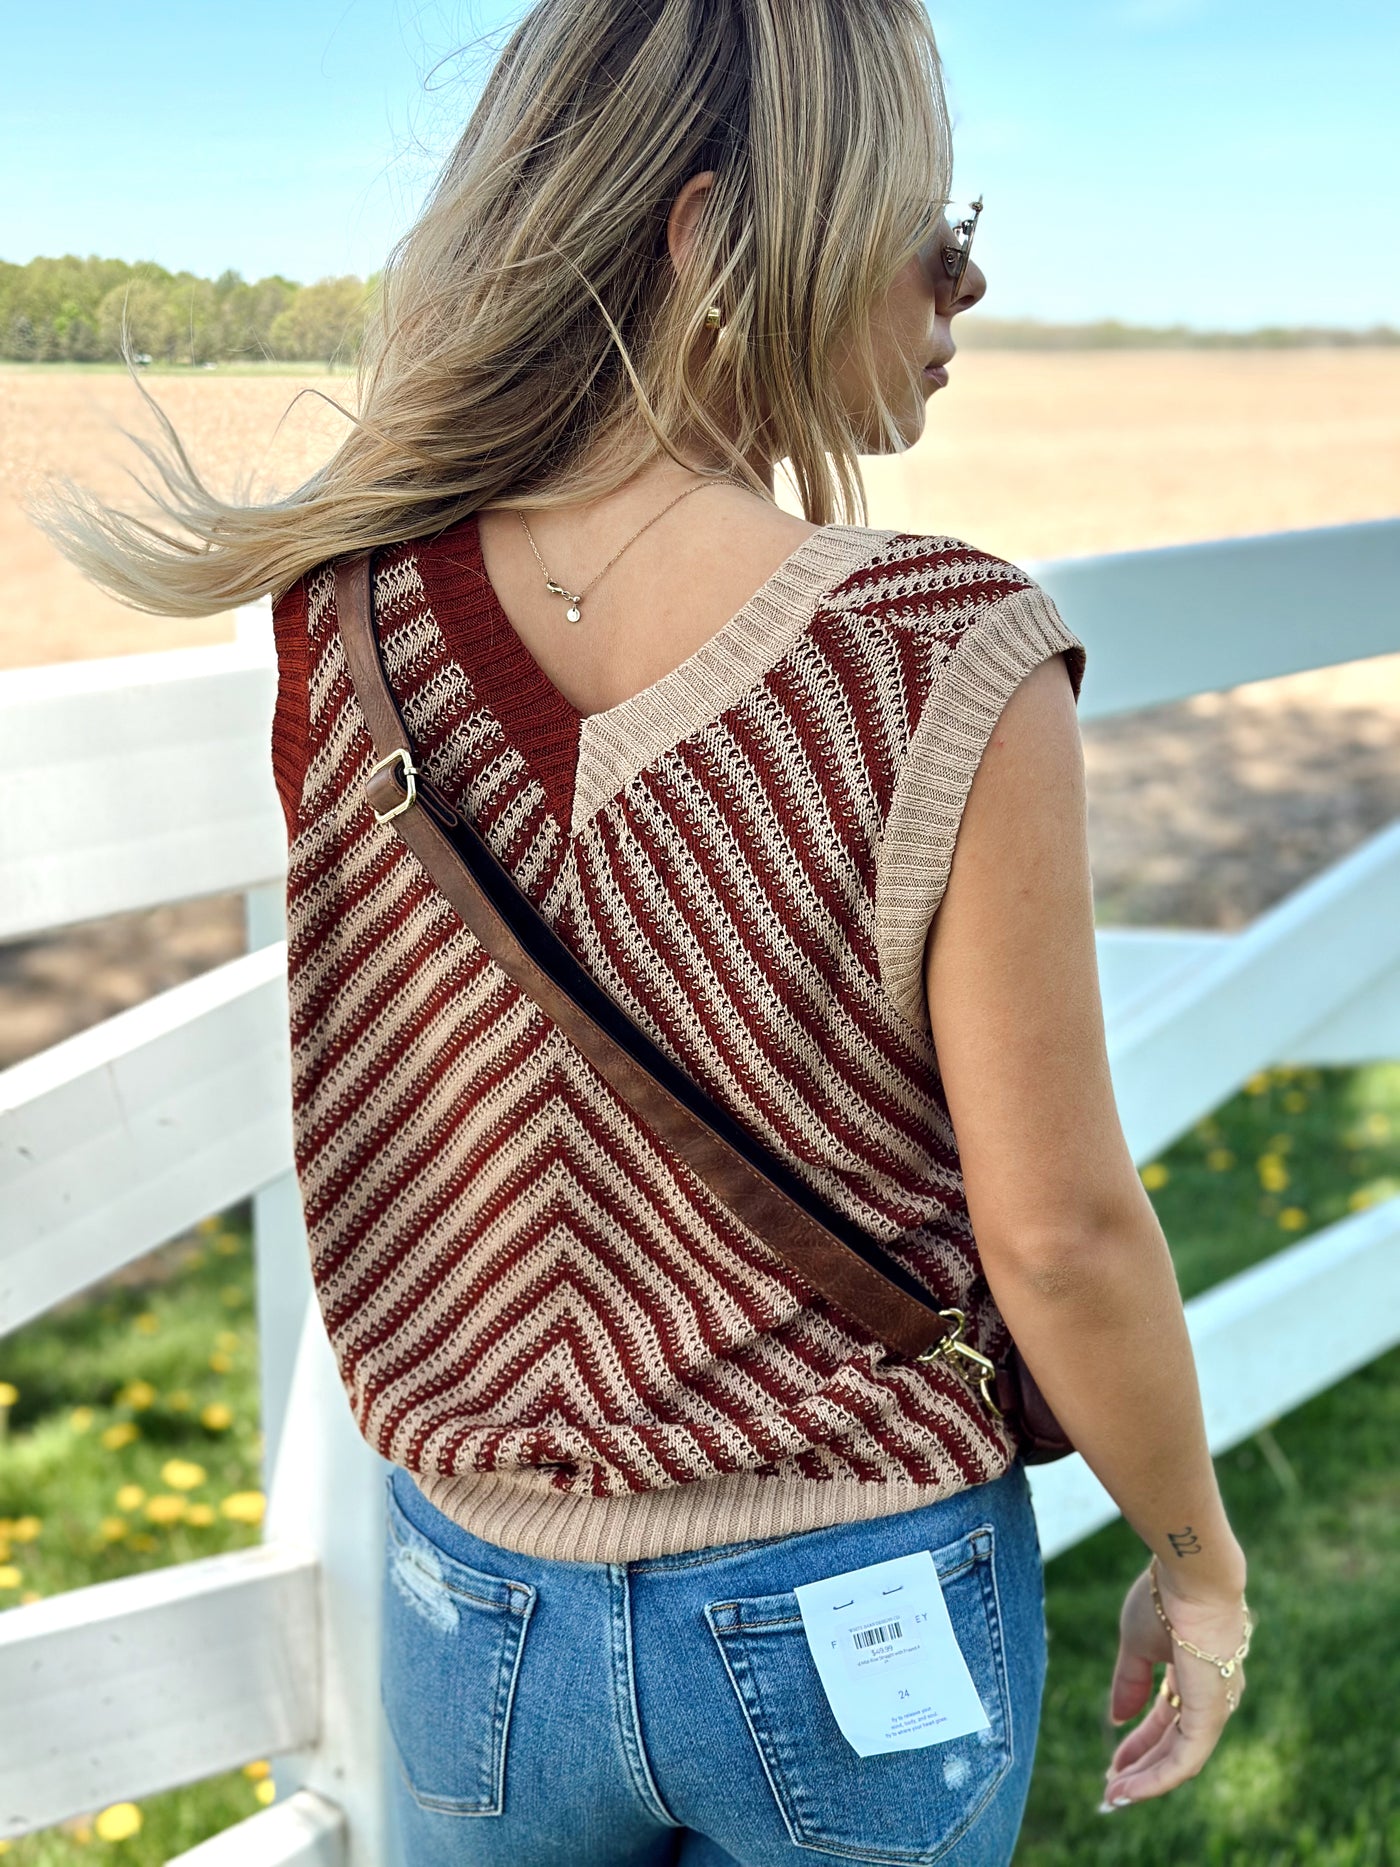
807 799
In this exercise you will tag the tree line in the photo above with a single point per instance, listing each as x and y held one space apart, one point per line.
70 310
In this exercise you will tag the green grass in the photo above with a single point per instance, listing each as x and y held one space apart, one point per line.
1308 1774
66 1517
1308 1770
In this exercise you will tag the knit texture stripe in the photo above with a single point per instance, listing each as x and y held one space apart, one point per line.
536 1306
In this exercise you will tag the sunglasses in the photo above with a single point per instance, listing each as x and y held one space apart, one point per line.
951 249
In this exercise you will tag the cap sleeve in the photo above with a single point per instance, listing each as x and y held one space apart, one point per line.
987 663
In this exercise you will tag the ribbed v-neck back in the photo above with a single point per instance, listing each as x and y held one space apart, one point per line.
584 759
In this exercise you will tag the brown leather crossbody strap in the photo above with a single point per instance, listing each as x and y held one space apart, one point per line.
760 1189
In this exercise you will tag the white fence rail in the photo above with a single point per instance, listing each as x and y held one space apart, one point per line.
146 779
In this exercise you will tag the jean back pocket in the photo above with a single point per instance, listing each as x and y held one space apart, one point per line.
897 1806
452 1641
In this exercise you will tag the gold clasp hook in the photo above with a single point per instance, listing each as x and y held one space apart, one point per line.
953 1344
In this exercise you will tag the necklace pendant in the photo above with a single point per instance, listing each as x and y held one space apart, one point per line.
573 612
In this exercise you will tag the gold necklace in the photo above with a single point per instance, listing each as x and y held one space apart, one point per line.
575 597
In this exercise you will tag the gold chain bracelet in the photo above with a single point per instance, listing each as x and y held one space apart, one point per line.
1225 1666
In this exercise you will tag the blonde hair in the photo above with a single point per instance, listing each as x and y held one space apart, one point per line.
530 343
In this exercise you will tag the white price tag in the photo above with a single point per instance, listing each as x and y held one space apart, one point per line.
887 1656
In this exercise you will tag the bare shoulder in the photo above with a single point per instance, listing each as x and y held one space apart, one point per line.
1035 743
1020 868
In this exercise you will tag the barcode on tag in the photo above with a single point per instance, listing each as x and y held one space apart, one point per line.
893 1673
876 1636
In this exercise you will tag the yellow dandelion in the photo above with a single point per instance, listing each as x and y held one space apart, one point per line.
206 1226
216 1416
80 1419
194 1260
1377 1125
220 1363
166 1507
179 1400
266 1792
231 1295
119 1822
141 1540
120 1434
244 1506
1273 1174
1220 1160
1258 1084
1295 1102
137 1394
258 1770
1293 1218
1363 1197
25 1529
112 1529
226 1245
129 1497
201 1515
182 1474
228 1340
9 1393
10 1575
147 1322
1280 1143
5 1551
30 1594
1154 1175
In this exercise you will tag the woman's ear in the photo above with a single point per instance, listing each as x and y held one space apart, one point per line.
685 214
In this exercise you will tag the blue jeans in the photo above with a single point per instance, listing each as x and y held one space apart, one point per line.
667 1712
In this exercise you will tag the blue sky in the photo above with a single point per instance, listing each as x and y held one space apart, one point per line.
1222 163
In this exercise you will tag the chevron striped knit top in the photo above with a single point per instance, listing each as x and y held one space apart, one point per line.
537 1308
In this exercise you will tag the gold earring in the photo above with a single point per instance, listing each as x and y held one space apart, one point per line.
714 318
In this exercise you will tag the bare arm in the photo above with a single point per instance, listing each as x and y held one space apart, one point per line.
1070 1244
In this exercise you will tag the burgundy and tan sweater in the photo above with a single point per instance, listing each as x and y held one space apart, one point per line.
536 1307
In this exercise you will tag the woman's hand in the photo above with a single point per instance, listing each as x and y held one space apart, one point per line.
1162 1752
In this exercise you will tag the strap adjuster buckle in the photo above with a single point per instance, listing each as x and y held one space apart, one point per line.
410 771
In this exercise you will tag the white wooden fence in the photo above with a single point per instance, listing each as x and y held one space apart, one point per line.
145 779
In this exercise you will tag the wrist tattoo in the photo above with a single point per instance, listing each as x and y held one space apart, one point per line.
1184 1542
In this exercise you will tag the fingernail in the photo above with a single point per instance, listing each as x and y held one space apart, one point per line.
1121 1802
1105 1808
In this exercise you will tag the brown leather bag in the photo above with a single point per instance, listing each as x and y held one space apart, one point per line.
835 1256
